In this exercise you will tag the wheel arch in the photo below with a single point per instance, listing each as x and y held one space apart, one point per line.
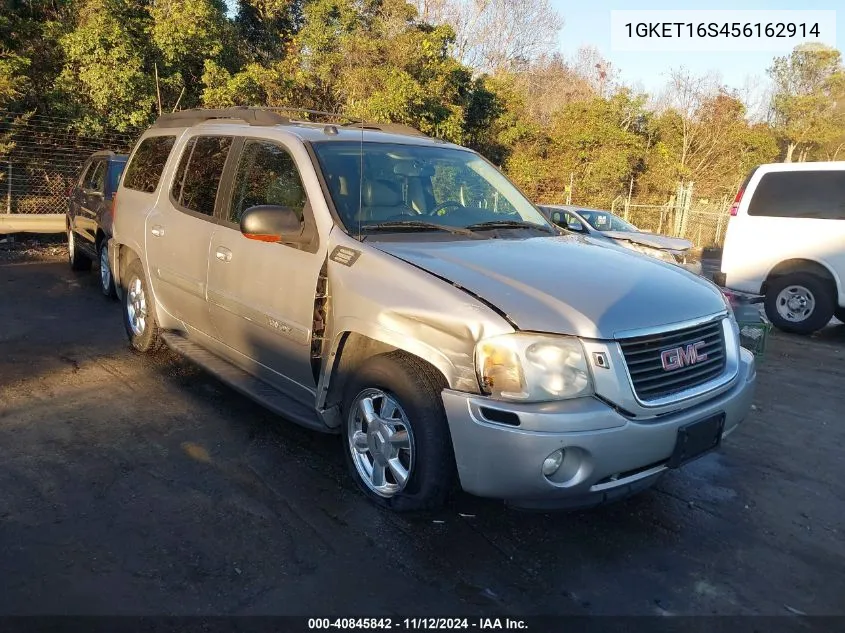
351 348
801 265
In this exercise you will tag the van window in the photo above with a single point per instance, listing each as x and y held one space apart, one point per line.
144 171
800 194
199 173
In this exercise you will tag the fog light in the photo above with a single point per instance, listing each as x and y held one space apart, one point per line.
552 463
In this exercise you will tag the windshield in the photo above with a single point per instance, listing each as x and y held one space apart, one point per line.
418 184
606 221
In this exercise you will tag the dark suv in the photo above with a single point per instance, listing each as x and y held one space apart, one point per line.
89 215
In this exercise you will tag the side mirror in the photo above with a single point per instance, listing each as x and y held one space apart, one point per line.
272 223
575 225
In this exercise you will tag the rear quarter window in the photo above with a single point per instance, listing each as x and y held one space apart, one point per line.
115 170
147 164
800 194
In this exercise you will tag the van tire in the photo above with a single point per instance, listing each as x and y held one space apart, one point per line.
146 339
416 387
839 313
822 294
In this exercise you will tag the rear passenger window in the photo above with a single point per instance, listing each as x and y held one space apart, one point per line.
144 172
97 177
200 169
800 194
266 174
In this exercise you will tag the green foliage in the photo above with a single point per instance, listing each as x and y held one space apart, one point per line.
113 64
105 71
13 79
187 29
809 85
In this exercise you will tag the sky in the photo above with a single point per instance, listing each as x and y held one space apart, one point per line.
588 23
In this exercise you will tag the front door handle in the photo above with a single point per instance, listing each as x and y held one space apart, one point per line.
157 230
223 254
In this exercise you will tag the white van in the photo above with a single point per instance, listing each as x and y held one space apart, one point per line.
786 241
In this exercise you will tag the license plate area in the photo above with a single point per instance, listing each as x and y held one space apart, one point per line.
697 438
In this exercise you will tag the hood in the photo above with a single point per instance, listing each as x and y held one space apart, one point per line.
566 284
653 240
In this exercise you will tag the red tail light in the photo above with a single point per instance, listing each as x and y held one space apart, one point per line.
737 200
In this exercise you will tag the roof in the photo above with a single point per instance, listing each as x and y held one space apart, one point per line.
108 154
337 127
829 165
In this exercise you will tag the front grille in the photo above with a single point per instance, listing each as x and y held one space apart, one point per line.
643 357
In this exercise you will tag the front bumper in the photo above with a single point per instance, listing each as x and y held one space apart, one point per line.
606 455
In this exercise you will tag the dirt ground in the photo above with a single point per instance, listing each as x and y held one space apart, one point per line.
131 485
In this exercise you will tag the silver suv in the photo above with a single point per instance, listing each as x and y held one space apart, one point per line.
398 290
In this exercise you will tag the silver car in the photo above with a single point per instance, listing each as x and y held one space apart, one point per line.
398 290
604 225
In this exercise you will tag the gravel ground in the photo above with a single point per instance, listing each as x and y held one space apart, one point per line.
26 248
136 485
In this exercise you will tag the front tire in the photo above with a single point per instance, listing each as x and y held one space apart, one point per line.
839 313
139 318
799 302
396 438
78 260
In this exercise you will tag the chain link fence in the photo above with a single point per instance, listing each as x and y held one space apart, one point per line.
41 158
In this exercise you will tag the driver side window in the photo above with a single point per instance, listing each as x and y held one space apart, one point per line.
266 175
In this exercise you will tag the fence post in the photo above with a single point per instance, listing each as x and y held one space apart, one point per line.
9 190
718 239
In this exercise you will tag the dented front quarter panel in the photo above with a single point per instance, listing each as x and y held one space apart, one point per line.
388 300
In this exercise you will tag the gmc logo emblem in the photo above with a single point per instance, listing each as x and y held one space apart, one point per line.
678 357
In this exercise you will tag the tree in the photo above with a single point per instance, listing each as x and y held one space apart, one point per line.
106 80
30 54
714 146
371 61
495 35
808 84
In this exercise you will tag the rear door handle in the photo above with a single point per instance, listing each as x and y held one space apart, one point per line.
157 230
223 254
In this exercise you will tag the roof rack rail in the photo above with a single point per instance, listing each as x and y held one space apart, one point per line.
253 116
392 128
270 116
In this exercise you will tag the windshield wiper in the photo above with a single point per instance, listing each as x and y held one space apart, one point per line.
508 224
417 225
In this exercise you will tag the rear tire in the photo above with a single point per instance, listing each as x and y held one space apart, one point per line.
78 260
106 277
799 302
423 454
839 313
139 317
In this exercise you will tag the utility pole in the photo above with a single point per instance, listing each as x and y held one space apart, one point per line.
158 91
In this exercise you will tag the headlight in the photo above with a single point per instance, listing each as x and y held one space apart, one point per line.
665 256
532 367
